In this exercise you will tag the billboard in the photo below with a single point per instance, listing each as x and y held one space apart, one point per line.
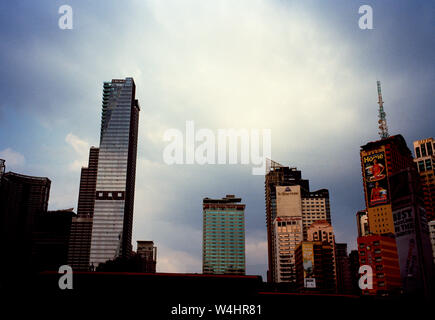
308 264
376 179
288 201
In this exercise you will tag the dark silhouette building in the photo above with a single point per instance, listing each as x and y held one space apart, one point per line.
22 200
344 279
51 238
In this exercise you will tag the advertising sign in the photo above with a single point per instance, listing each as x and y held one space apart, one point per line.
308 263
376 179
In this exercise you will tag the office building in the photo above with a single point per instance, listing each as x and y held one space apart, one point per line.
81 228
315 207
288 195
315 267
395 206
22 199
425 161
223 236
380 253
288 231
113 209
148 254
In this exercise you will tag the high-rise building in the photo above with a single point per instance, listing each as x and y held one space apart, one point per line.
81 228
288 195
148 254
343 269
22 199
223 236
395 205
425 160
380 253
113 209
315 267
362 222
288 231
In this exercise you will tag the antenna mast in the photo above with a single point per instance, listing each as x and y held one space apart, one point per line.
383 133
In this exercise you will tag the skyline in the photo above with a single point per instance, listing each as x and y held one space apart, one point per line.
56 121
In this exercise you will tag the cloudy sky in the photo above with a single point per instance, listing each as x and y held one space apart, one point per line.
303 69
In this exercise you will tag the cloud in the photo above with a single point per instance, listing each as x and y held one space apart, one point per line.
170 260
13 159
81 147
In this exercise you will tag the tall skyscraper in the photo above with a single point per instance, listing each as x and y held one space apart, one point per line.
223 236
288 195
395 206
113 210
81 228
425 160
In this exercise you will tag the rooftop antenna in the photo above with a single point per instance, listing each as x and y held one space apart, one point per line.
383 133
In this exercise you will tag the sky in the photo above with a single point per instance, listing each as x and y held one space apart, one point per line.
303 69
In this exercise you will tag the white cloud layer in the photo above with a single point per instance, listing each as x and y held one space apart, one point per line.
14 159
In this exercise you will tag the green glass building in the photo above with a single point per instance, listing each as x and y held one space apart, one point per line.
223 236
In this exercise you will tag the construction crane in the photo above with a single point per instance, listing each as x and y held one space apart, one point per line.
383 133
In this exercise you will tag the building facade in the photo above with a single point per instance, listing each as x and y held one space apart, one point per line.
315 267
223 236
425 161
114 199
81 228
380 253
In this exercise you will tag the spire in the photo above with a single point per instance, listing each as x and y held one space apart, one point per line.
383 133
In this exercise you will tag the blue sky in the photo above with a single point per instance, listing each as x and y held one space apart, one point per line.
303 69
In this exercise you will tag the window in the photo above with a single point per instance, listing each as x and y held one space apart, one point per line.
417 152
429 148
428 164
420 166
423 150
